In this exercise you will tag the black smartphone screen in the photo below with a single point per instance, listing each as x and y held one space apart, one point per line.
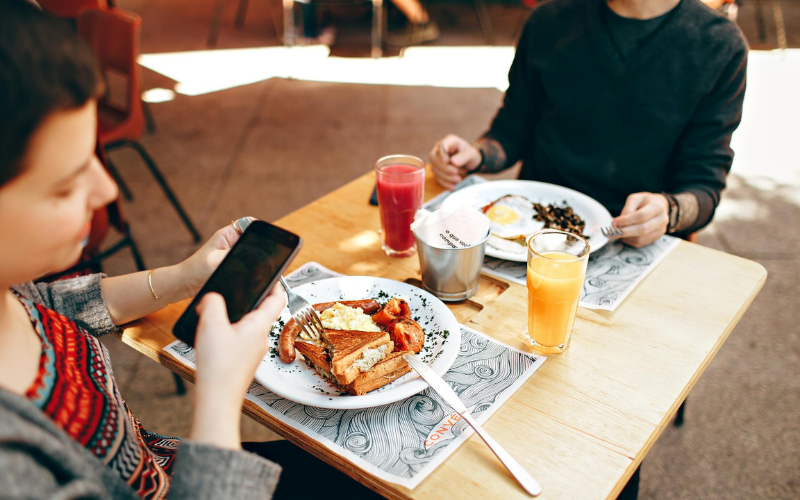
245 275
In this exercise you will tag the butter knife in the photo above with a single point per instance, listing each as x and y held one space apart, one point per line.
451 398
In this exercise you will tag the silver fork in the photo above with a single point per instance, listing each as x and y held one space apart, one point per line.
303 313
611 231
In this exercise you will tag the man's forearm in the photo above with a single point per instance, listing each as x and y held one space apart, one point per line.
494 156
688 211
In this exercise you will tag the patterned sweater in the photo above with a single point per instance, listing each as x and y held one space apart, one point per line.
76 392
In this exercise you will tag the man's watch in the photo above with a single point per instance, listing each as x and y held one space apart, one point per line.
674 213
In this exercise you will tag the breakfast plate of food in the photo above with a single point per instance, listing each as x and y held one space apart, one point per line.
518 209
357 361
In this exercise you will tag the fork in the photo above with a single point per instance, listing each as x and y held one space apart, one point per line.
303 313
611 231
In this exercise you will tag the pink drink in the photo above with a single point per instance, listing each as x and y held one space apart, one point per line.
401 181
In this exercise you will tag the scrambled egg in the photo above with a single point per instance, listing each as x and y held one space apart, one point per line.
341 317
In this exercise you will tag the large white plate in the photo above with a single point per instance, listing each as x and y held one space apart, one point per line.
591 211
300 383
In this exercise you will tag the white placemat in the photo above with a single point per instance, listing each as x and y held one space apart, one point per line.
612 273
405 441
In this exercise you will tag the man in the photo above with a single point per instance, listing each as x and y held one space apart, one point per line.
632 102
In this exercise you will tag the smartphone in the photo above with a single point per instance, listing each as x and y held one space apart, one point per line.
244 277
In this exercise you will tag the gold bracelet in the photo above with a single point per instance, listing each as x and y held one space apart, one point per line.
150 281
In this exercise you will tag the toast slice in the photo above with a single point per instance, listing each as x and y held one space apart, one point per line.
392 367
354 352
317 357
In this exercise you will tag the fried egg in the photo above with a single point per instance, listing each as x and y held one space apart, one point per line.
512 217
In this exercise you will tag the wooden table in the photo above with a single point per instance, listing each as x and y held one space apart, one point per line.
586 419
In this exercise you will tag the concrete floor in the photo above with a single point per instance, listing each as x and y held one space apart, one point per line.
270 147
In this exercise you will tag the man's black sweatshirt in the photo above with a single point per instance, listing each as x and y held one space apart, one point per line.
660 120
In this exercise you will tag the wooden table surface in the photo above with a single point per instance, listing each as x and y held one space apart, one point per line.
586 419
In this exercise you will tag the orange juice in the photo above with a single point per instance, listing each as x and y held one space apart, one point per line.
555 281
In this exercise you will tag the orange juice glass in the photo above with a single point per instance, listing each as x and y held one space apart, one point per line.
556 269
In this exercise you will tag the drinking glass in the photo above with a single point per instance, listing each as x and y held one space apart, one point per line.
556 269
401 185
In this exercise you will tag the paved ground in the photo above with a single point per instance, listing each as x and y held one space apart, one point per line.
269 147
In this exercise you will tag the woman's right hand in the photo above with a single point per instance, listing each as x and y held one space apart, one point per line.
227 358
452 159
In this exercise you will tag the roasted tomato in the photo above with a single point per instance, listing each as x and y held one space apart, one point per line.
406 335
394 309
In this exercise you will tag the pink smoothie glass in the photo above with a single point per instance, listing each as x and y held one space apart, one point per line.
401 184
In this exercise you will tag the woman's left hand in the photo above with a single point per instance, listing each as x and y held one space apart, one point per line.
643 220
196 269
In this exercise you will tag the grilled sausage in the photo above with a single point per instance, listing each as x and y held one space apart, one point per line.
406 335
291 330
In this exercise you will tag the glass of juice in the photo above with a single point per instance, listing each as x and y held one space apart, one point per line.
401 184
556 268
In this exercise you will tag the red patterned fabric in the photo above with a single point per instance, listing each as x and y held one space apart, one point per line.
76 388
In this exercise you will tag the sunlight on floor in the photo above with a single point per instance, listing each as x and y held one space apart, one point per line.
205 71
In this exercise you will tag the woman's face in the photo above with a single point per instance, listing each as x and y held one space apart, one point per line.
46 211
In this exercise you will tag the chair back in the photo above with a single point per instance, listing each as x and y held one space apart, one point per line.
113 35
70 8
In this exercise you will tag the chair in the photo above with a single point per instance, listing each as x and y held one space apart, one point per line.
377 22
113 35
70 8
92 257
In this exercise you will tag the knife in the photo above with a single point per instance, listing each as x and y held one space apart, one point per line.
450 397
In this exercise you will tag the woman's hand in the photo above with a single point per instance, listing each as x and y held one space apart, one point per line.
643 220
196 270
227 358
452 159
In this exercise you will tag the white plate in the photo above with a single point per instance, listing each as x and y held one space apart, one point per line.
591 211
298 382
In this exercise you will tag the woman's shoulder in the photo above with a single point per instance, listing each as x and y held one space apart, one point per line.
26 435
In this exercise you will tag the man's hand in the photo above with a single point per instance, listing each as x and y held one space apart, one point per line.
644 219
452 159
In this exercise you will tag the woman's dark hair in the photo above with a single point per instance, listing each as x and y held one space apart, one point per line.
44 67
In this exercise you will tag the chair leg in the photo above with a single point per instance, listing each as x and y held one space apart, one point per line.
780 27
377 28
123 188
760 29
216 17
288 23
240 13
137 257
485 21
162 182
679 414
148 117
180 386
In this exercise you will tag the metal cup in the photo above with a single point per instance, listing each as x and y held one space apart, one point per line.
452 274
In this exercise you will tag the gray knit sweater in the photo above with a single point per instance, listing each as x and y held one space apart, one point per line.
39 460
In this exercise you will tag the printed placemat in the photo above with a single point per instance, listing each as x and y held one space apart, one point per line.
405 441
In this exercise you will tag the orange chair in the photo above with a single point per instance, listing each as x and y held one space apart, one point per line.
105 218
113 35
92 257
70 8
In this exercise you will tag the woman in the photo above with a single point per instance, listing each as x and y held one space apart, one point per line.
65 431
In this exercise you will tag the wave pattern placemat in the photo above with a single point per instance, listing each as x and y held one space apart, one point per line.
405 441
